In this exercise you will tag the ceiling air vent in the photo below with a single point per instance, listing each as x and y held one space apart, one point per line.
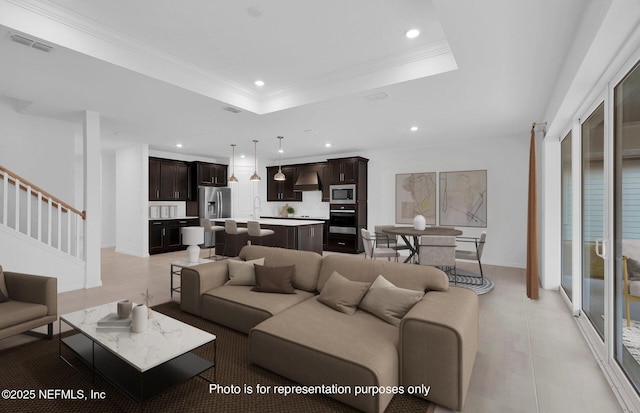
232 109
23 40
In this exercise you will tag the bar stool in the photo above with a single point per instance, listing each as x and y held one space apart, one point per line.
255 231
231 230
210 229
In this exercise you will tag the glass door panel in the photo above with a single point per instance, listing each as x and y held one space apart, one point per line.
566 217
627 223
593 197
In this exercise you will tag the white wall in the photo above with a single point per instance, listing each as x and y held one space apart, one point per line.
108 199
132 211
40 150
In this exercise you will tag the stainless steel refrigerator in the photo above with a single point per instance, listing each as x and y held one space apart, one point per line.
214 203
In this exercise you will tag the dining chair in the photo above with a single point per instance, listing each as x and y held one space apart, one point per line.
475 254
630 288
254 231
438 251
382 239
232 231
372 251
209 232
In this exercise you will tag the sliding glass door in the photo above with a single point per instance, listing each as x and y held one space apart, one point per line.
627 224
593 219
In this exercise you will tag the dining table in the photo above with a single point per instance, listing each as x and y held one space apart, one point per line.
410 232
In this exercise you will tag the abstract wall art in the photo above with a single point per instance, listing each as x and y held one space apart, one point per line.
416 195
463 198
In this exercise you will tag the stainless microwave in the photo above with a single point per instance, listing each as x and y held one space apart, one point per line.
342 194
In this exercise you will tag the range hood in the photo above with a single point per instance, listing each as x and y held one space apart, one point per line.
307 181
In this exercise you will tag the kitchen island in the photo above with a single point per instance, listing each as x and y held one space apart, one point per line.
299 234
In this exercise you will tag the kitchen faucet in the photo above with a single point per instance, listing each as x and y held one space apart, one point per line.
258 208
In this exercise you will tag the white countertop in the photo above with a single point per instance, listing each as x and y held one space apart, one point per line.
273 221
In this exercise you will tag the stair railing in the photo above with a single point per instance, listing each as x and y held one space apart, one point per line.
33 214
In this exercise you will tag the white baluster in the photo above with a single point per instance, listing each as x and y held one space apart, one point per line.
17 205
69 215
59 226
29 210
5 198
49 215
39 216
78 222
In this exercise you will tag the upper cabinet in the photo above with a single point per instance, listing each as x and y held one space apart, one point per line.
210 174
351 170
282 190
344 170
168 180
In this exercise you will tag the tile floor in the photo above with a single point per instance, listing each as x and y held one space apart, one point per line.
531 357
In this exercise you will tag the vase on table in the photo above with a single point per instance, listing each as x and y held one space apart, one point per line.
124 308
419 223
139 316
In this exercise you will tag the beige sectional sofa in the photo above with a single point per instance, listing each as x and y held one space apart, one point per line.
301 338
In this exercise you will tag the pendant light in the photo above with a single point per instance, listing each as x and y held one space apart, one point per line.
279 176
255 177
232 178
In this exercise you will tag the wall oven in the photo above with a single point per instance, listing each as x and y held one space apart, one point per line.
342 194
343 219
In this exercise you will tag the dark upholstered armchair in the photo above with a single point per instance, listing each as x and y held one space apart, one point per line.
30 301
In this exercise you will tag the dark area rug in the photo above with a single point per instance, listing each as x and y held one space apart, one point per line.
34 372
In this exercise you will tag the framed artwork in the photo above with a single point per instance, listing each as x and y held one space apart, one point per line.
416 195
463 198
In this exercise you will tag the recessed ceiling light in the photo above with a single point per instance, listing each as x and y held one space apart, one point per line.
259 83
412 33
242 156
327 145
178 145
414 128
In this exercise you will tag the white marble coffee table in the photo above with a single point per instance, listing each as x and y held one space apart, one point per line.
142 365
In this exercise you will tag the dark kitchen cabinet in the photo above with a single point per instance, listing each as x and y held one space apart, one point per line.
154 179
310 238
166 235
282 190
156 237
168 180
326 182
210 174
350 171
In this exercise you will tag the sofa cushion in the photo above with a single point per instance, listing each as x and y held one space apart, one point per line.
3 285
389 302
342 294
15 312
238 307
411 276
313 344
242 272
3 298
305 275
274 279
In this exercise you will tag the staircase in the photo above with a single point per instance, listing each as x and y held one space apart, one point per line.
39 233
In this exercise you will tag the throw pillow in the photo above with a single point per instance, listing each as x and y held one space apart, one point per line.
388 302
274 279
242 272
3 298
342 294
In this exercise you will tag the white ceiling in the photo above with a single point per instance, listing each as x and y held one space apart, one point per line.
161 71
